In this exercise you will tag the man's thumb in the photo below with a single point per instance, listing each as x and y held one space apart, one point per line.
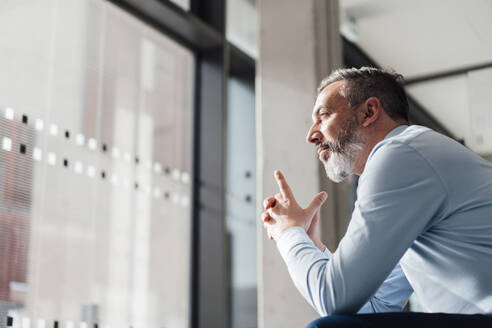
318 200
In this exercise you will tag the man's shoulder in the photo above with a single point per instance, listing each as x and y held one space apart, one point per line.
417 154
400 176
406 137
404 157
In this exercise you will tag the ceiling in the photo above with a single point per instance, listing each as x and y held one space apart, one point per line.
429 38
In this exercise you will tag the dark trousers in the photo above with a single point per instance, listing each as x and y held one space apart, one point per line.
404 320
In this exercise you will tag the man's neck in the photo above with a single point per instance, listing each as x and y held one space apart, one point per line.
372 138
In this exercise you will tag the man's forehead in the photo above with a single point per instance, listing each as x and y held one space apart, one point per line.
329 96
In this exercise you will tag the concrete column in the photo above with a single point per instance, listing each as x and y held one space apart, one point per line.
298 44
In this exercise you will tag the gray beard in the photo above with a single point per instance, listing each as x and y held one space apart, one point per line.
344 152
340 164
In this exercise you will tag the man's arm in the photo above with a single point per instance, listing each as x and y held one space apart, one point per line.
399 196
391 296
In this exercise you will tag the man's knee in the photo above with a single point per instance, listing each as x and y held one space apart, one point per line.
335 320
315 324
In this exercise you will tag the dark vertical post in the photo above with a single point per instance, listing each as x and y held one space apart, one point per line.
208 299
208 260
211 12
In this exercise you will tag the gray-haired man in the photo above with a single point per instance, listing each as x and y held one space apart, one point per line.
422 221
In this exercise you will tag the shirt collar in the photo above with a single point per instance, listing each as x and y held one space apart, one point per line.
396 131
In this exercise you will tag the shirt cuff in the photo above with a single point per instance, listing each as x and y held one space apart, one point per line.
327 253
292 237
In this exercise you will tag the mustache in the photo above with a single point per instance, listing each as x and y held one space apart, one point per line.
333 147
323 145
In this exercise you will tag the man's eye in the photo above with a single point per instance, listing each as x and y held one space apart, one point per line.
324 114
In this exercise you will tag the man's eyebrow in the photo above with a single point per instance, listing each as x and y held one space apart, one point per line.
316 112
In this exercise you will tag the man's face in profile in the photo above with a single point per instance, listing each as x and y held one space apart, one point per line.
335 132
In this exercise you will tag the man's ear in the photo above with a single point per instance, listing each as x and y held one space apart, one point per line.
370 111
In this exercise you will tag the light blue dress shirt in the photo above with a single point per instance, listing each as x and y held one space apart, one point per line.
422 223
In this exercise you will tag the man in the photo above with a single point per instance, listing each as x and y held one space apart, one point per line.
422 221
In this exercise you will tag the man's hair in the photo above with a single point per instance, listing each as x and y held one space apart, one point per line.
362 83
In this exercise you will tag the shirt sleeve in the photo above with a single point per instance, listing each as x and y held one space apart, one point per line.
391 296
399 196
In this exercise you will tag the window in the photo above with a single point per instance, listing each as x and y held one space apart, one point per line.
241 203
95 205
242 25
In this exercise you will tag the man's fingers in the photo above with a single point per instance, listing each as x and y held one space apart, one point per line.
315 217
266 226
266 217
283 186
269 202
316 203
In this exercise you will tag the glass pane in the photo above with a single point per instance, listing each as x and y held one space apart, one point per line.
95 133
240 203
242 25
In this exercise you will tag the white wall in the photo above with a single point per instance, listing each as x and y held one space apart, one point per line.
294 53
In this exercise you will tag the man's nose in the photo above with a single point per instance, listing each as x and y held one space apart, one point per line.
313 136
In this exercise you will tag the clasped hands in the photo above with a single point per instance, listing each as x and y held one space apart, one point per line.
282 212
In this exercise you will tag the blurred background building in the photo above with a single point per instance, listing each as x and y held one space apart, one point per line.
138 139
